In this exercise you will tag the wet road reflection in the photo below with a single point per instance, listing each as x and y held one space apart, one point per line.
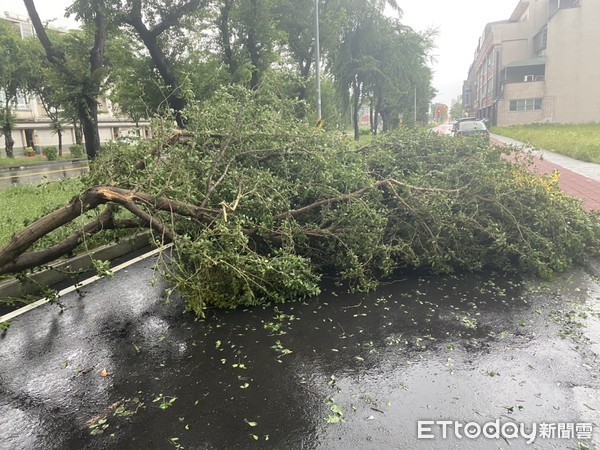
36 174
119 368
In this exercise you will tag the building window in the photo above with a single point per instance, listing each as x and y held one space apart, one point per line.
26 30
526 104
22 102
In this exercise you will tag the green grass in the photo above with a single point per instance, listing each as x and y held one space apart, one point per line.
21 161
21 204
581 142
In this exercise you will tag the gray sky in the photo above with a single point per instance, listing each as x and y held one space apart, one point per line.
460 24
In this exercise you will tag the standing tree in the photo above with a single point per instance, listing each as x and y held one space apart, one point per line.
135 88
86 85
44 84
248 37
13 75
152 21
381 62
354 62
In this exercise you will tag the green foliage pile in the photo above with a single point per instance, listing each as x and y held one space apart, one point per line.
288 203
580 141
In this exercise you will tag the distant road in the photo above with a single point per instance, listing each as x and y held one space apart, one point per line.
37 173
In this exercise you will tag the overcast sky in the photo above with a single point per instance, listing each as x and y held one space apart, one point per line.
460 24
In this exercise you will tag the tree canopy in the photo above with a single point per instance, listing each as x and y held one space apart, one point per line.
14 76
177 50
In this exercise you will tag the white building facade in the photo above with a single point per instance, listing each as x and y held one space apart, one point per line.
33 126
540 65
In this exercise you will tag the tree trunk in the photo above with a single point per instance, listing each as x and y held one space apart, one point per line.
301 94
175 100
226 38
252 48
356 102
77 130
9 143
60 142
304 73
88 116
385 121
376 113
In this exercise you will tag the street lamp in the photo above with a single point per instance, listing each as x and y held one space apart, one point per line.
318 62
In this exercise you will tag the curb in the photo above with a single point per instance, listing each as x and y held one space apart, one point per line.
13 288
6 318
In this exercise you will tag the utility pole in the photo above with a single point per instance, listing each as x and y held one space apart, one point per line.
318 63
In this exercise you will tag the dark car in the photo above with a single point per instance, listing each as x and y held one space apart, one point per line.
471 128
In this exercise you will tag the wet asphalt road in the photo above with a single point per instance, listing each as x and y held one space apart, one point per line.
119 368
39 173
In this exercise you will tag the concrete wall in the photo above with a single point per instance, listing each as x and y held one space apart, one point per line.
515 50
573 63
521 91
572 73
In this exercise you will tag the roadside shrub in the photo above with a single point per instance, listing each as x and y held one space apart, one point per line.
51 153
29 151
76 150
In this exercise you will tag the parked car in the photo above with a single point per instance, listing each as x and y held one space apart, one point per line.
471 128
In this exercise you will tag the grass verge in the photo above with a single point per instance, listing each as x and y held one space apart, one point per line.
581 142
23 203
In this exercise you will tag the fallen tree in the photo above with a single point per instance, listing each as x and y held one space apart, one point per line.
260 205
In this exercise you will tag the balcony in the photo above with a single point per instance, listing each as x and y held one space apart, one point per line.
526 71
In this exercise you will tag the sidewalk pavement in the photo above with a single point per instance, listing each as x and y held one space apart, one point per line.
577 178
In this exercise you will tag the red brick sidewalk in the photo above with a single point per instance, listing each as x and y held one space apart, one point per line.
571 182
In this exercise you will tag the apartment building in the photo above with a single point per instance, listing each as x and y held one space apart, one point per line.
33 127
540 65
